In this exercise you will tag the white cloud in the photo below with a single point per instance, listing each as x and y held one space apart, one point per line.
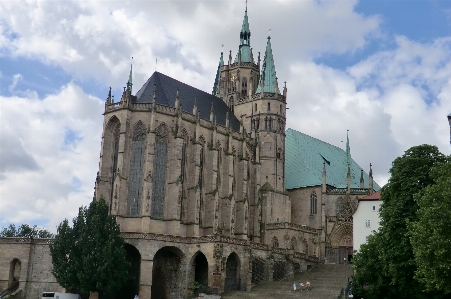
390 102
16 79
39 174
95 39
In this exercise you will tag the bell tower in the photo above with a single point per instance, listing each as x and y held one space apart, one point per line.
236 80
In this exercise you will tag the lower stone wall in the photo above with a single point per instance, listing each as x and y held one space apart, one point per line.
166 263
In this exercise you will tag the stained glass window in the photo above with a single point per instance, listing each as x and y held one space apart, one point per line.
313 203
159 172
136 170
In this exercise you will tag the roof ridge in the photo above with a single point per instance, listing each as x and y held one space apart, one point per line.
317 139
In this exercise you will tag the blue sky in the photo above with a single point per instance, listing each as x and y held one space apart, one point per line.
380 68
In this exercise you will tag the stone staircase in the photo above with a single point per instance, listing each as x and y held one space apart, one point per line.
326 281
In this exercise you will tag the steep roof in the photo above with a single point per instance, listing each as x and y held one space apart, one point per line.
304 159
217 83
268 73
166 89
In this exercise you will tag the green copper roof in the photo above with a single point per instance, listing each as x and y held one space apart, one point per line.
245 41
304 161
215 91
268 74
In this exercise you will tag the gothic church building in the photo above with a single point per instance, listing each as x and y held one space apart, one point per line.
212 188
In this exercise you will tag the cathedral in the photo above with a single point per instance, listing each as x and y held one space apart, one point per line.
212 191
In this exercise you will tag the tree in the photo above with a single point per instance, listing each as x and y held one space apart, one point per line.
369 280
410 174
386 266
430 235
25 231
90 256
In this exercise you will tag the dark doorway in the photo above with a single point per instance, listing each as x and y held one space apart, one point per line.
232 280
201 269
258 270
131 287
279 270
166 274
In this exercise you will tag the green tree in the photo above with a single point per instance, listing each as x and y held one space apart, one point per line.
389 257
369 280
25 231
430 235
90 256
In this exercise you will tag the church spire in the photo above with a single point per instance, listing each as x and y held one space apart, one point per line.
348 149
245 40
217 85
130 77
268 78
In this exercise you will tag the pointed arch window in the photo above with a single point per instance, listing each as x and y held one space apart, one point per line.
231 105
182 172
269 106
201 178
159 171
114 127
313 203
136 170
275 242
244 87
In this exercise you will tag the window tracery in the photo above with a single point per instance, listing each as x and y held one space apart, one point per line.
159 171
136 170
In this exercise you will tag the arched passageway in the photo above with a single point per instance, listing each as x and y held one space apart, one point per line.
167 275
200 265
131 287
232 280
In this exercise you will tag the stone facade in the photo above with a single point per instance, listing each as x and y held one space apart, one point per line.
199 199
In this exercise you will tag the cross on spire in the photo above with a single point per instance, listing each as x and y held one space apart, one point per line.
246 5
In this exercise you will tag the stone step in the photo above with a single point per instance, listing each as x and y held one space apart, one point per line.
326 282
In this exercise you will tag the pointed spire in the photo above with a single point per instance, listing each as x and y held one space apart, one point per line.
244 52
348 149
362 181
217 85
130 77
109 99
212 112
370 183
195 107
324 178
268 72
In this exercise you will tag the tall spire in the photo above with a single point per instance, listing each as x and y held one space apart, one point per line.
216 86
245 40
130 76
348 149
268 75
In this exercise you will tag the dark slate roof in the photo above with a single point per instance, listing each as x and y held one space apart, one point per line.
304 158
166 90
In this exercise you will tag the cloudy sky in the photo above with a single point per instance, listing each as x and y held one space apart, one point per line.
380 68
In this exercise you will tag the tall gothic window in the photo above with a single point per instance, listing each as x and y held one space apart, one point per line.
136 170
313 203
275 242
182 173
159 171
201 178
231 105
115 128
244 87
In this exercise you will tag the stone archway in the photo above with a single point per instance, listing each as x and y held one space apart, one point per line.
232 280
339 245
200 269
15 267
167 275
131 287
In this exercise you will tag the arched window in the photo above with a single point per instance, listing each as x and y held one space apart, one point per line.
279 153
136 170
269 106
113 129
339 206
159 171
280 108
293 243
255 110
313 203
244 87
275 242
182 172
201 178
231 105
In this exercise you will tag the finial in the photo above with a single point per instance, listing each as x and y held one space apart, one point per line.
222 48
371 171
246 5
156 62
269 33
